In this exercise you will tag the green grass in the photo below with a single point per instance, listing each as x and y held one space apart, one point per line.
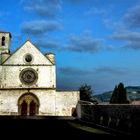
87 128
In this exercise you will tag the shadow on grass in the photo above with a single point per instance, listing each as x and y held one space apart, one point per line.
50 127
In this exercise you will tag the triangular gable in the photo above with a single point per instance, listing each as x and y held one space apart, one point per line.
18 58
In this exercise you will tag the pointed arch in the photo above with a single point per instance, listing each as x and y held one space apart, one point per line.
28 104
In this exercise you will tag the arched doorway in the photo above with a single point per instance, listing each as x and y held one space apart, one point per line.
24 108
28 104
32 108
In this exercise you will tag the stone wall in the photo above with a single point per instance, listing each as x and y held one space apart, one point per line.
9 101
124 118
66 102
52 103
9 77
40 83
10 70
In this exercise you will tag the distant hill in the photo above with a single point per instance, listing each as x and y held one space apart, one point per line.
133 93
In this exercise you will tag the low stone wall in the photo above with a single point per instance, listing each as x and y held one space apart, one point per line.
124 118
66 102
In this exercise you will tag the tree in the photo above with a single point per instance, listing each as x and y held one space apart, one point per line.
86 93
119 95
114 97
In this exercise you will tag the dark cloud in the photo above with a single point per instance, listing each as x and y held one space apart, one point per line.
132 18
43 7
132 39
110 70
38 27
84 43
70 71
127 29
135 45
126 35
73 78
42 43
69 83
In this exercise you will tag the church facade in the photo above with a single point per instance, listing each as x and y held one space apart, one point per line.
28 82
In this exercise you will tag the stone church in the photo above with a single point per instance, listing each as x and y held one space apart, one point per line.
28 82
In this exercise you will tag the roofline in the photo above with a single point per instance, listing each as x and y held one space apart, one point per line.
6 32
49 53
34 46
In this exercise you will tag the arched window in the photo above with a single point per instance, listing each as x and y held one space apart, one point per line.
3 41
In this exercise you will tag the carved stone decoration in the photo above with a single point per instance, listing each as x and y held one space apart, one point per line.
28 76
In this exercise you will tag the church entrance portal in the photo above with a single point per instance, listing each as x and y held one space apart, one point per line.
28 104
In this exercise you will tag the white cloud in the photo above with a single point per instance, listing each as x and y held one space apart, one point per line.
84 43
37 27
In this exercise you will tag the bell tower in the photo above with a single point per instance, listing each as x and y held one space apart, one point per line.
5 39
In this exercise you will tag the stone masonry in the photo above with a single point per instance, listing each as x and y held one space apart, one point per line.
28 82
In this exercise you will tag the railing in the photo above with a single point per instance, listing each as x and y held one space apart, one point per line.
124 118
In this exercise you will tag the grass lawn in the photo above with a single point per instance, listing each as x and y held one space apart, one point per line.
87 128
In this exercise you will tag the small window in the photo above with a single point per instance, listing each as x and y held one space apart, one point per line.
28 58
3 41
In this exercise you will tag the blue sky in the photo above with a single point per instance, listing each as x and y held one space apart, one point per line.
96 42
